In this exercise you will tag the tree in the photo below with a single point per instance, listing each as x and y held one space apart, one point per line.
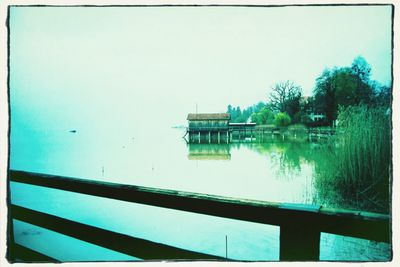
346 86
282 119
237 115
361 69
324 95
256 118
230 109
285 97
264 116
383 95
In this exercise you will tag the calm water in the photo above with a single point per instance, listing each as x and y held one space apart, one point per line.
278 171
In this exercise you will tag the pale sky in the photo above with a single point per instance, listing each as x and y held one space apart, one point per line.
80 67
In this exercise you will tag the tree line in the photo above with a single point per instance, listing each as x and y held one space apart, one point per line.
335 88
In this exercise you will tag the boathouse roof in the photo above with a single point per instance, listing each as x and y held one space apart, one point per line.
208 116
242 124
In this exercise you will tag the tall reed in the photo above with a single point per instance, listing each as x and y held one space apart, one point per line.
359 161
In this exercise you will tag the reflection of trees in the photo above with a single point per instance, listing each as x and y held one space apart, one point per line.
287 155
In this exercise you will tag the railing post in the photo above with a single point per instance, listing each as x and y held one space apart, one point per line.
299 243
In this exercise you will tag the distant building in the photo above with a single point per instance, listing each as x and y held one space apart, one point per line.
208 127
306 103
316 117
208 121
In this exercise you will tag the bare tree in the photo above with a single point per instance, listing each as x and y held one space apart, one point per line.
284 95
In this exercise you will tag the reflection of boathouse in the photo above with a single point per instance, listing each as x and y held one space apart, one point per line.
209 152
208 127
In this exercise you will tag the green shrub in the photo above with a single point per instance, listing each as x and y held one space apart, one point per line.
282 119
264 116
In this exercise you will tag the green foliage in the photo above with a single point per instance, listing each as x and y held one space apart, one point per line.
297 118
282 119
237 115
339 86
264 116
359 164
345 86
361 68
383 96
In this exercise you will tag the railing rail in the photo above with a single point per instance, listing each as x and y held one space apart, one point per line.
300 225
137 247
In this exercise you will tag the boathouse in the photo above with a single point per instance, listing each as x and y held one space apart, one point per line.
208 127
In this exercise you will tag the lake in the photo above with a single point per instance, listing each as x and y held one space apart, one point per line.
277 170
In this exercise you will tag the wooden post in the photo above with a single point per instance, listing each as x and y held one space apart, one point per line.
199 137
299 243
226 246
219 137
227 137
209 137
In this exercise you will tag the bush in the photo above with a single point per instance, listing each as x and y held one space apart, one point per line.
282 119
264 116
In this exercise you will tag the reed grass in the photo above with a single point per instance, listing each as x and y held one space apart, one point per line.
358 161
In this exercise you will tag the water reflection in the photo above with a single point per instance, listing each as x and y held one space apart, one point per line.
288 156
209 152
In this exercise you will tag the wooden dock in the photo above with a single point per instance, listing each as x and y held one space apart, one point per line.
250 132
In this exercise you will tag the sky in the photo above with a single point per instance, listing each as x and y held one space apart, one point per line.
120 68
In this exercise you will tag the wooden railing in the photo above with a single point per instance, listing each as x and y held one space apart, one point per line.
300 225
